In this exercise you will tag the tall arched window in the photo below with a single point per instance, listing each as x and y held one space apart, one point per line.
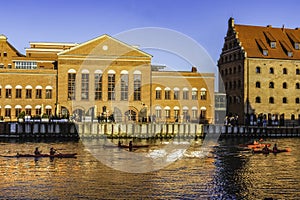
124 85
157 93
284 70
284 85
271 100
185 93
194 94
137 85
111 83
297 100
257 70
203 94
176 93
271 71
257 100
167 93
98 84
284 100
85 84
71 84
271 85
297 85
257 84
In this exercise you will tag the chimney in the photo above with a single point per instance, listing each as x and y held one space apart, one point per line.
194 69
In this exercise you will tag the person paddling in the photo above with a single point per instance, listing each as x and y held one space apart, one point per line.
275 149
265 149
37 151
52 151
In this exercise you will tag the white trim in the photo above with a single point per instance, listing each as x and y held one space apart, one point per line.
7 106
194 89
124 72
8 87
98 71
28 107
53 43
167 88
28 87
202 89
18 106
185 89
73 71
157 88
111 71
38 87
48 87
167 108
85 71
137 72
38 107
48 107
176 89
194 108
157 108
176 108
185 108
18 87
203 108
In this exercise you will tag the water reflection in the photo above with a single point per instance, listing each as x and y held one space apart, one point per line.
227 172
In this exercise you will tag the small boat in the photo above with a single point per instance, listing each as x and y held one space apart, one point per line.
270 151
60 155
256 146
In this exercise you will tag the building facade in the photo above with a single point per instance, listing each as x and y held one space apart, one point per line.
259 67
101 79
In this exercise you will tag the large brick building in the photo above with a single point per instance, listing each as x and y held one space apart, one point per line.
100 77
260 69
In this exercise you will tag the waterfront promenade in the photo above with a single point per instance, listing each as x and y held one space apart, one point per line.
75 130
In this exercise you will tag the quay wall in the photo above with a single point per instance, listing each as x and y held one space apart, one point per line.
137 130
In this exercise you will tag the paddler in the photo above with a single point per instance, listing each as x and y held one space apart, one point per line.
37 151
52 151
265 149
275 149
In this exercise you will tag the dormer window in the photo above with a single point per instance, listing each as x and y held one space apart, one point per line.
265 52
273 45
290 54
297 45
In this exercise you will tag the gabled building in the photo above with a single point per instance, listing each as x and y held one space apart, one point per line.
260 70
99 78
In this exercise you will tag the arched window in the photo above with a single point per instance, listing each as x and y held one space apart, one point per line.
158 111
203 94
185 93
297 100
167 93
157 93
98 84
194 94
257 70
297 71
176 93
271 71
257 100
284 85
85 84
111 83
137 85
284 100
167 112
71 84
38 92
284 71
297 85
257 84
271 100
292 117
49 92
18 92
271 85
124 85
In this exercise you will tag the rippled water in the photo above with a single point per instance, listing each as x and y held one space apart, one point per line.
228 172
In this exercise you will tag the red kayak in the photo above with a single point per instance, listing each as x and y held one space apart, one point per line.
256 146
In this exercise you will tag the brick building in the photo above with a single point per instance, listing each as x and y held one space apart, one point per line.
259 66
100 77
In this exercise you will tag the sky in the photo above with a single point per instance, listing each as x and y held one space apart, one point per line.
203 22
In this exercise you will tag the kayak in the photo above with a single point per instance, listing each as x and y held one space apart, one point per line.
270 151
255 146
135 146
61 155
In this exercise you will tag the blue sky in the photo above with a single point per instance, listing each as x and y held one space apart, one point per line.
79 21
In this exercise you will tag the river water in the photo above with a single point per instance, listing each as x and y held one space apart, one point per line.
227 172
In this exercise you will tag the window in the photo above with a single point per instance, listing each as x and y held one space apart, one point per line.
84 85
257 100
194 113
257 70
297 71
38 110
194 94
203 94
7 112
176 112
71 84
111 86
284 100
297 46
273 45
158 93
18 111
124 87
167 112
290 54
271 85
284 71
297 100
284 85
185 94
8 93
257 84
38 93
98 85
4 54
48 93
158 112
265 52
167 93
297 85
18 93
271 100
28 110
176 93
137 87
28 93
271 71
239 83
25 65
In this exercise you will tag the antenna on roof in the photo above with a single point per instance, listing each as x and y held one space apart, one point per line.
282 27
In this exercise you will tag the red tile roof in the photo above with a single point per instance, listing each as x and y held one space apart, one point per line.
255 39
